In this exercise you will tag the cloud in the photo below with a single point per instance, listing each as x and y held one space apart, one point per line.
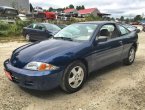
114 7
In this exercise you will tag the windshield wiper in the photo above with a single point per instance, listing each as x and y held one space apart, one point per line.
64 38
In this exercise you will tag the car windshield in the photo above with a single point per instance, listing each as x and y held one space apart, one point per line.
77 32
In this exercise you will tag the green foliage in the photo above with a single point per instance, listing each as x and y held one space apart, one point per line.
83 7
122 18
50 9
93 18
12 29
127 20
71 6
80 7
138 18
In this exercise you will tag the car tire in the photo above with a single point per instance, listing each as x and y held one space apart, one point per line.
74 77
131 56
27 37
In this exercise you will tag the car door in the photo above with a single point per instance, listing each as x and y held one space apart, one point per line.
109 51
125 36
31 31
41 32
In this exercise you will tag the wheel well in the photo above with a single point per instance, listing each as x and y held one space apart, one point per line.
135 45
85 63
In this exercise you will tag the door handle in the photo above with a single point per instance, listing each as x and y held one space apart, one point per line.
120 42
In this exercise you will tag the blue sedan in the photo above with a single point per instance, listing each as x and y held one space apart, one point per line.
71 55
40 31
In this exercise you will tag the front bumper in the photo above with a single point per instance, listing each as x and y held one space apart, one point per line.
37 80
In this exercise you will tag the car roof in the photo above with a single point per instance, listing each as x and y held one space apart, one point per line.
6 7
44 23
97 22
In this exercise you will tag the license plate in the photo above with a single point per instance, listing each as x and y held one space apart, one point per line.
8 75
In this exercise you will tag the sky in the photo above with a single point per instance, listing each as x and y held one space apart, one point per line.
116 8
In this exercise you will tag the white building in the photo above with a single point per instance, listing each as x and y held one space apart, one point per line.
22 6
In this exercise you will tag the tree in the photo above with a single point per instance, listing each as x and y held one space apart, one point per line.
44 10
127 20
71 6
31 8
112 19
50 9
14 4
80 7
137 18
77 7
66 7
122 18
83 7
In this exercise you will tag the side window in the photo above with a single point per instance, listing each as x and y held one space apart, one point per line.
110 31
123 30
40 27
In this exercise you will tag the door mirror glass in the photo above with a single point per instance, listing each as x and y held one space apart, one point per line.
102 39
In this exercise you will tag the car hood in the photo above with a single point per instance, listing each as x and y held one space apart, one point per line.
40 50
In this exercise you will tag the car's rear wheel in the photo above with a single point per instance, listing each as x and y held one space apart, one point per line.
28 37
74 77
131 56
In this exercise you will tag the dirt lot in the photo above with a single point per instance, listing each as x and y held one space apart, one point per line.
116 87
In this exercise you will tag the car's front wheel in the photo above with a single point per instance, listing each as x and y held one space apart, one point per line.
131 56
74 77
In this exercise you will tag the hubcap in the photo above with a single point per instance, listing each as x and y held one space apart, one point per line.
76 77
131 55
27 37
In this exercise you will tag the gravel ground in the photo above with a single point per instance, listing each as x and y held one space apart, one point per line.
116 87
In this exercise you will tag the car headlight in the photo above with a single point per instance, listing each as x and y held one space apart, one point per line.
40 66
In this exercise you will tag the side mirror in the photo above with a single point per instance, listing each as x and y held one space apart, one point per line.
102 39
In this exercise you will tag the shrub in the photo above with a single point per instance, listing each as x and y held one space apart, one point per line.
93 18
12 29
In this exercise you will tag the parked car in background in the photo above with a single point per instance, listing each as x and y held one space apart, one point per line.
22 17
8 14
40 31
43 15
135 23
131 28
71 55
50 15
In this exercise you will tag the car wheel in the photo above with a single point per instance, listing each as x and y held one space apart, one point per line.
74 77
131 56
28 37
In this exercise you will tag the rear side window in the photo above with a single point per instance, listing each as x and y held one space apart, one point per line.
40 27
123 30
33 26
